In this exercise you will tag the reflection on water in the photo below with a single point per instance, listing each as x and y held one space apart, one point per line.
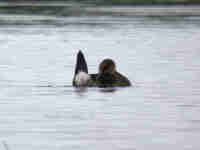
41 110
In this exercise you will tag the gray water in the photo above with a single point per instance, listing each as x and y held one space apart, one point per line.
40 110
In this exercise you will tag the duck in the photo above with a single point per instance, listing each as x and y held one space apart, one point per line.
107 75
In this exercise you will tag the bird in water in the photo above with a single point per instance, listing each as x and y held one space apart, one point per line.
107 75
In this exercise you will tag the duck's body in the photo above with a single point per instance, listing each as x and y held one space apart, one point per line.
118 79
106 77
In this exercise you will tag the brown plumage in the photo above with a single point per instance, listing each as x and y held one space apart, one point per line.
107 69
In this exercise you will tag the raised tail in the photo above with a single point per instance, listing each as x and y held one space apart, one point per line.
81 64
81 76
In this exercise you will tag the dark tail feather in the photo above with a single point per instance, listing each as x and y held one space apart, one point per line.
81 64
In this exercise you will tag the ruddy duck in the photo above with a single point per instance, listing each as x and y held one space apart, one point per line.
107 75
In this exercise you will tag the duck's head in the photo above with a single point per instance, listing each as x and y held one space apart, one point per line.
106 77
107 65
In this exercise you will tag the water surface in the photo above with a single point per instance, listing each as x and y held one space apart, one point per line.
40 110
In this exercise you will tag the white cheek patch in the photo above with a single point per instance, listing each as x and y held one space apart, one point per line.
82 78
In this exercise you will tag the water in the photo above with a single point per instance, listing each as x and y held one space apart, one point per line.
40 110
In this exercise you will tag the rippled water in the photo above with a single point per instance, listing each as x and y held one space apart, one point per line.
40 110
